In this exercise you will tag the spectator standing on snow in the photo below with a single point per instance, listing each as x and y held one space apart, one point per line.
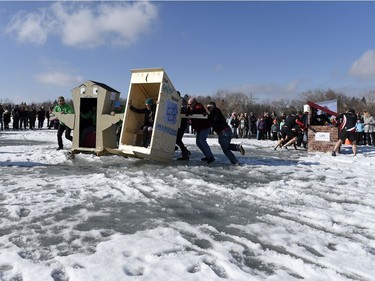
6 118
261 128
224 133
24 117
235 124
253 125
48 117
360 131
32 118
16 117
369 122
347 122
1 117
247 125
275 130
305 136
228 120
268 121
64 108
202 128
242 125
41 117
273 115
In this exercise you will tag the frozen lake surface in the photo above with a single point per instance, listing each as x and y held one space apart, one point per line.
281 215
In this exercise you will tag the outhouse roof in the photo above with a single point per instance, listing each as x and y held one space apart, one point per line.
105 86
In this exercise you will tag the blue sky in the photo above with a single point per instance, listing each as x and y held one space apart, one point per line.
272 50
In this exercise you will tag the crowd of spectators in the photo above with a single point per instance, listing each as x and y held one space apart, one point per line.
23 117
262 127
266 126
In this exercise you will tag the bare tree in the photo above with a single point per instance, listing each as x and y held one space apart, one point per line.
234 101
321 95
369 101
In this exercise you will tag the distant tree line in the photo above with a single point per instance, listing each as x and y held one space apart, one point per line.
229 101
239 102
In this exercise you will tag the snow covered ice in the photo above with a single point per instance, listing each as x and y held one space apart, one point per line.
281 215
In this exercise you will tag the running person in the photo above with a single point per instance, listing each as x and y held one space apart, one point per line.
64 108
221 127
289 131
347 121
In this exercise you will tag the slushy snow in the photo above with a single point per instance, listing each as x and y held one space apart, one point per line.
281 215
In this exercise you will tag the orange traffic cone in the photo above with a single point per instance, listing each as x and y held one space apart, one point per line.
347 141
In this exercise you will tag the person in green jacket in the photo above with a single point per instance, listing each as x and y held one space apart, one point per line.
64 108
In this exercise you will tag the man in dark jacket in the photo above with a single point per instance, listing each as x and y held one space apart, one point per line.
1 117
41 117
268 121
220 126
253 125
202 127
16 113
149 111
181 131
347 122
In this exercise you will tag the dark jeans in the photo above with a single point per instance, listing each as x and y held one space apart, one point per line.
201 141
23 122
16 123
361 138
370 138
60 132
180 135
40 123
146 136
225 137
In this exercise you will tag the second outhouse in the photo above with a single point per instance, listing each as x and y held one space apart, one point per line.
150 84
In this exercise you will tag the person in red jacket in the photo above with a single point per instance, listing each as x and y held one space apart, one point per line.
202 128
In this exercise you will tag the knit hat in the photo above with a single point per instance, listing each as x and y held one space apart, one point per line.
149 102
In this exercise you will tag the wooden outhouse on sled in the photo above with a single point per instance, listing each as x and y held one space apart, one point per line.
155 84
94 128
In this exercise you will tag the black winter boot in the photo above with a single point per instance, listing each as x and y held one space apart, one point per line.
184 155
